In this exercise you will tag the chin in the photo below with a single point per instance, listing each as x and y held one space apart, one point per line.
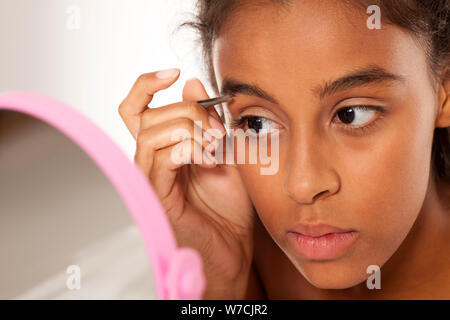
339 282
332 274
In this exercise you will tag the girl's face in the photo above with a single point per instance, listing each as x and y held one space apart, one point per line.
355 110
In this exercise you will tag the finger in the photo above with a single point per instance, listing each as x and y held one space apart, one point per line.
167 134
141 95
188 110
168 160
194 90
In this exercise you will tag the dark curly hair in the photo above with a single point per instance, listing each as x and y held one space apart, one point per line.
428 20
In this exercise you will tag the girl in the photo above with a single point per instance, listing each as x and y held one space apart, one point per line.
363 118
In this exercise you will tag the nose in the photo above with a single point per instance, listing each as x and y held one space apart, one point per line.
310 174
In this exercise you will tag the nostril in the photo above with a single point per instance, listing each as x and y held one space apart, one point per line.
319 195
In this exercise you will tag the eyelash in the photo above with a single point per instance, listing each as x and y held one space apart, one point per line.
353 129
363 128
239 121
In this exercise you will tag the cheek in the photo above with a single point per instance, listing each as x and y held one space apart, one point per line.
390 182
265 191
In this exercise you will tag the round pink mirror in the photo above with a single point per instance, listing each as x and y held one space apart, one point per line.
176 272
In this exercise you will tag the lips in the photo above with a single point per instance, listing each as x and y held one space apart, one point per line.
321 242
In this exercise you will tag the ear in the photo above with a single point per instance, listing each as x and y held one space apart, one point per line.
443 117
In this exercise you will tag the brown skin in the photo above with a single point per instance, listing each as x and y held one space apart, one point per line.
379 182
218 224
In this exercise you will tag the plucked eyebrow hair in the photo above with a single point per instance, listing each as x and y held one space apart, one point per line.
357 78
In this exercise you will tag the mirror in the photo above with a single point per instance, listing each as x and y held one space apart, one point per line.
78 220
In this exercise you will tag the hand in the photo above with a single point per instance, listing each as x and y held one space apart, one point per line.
207 204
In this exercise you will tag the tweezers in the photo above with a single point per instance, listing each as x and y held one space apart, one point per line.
211 102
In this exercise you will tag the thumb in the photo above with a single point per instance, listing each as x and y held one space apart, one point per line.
194 90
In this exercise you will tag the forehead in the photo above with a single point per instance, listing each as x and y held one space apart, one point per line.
309 41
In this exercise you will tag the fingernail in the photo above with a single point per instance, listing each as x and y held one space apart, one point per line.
208 137
169 73
210 157
213 144
217 125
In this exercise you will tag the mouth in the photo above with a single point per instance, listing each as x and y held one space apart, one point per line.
321 242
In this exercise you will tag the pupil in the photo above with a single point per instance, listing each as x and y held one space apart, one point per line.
255 124
346 115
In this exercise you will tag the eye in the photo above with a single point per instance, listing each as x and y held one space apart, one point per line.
357 116
255 123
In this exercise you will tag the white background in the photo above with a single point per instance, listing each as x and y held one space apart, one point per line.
92 68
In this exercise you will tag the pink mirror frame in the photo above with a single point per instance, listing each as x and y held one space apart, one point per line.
177 272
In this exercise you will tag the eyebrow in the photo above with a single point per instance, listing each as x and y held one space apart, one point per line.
357 78
233 87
